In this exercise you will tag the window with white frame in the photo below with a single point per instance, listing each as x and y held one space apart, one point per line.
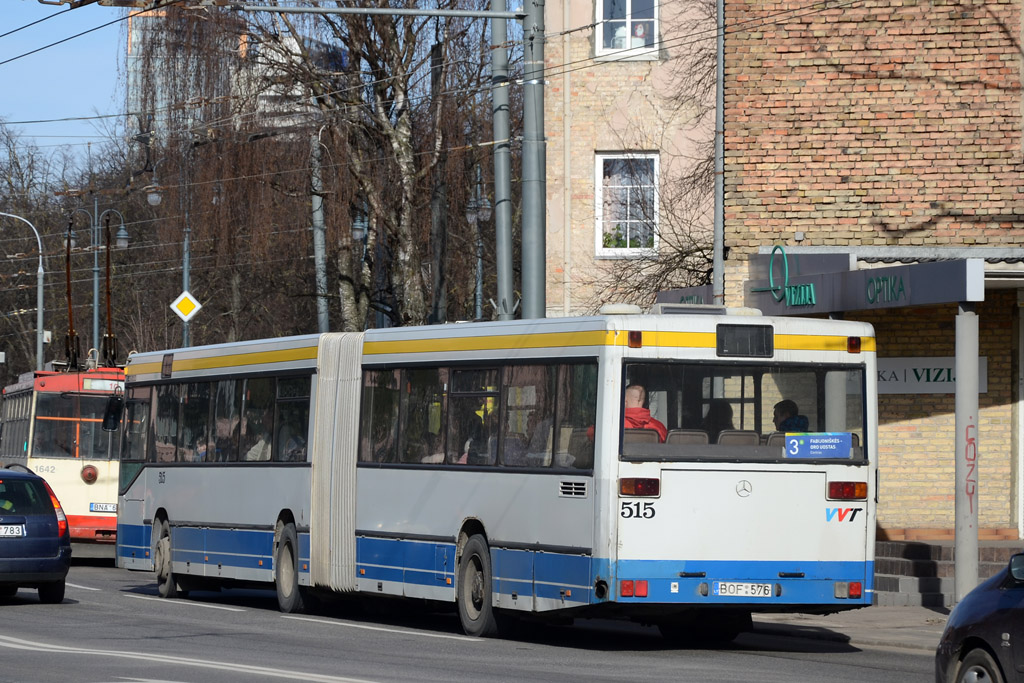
626 25
626 204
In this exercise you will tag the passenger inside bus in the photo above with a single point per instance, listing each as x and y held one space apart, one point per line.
787 417
719 417
636 416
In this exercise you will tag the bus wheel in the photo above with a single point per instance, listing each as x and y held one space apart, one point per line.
286 570
473 592
166 585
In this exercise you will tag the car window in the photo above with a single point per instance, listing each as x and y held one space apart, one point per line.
23 497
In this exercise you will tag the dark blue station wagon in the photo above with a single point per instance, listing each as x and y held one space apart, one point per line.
35 544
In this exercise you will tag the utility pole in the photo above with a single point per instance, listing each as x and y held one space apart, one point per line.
502 160
534 163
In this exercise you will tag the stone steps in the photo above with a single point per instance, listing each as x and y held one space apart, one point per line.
921 573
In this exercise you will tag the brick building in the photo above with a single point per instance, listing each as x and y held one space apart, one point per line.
888 133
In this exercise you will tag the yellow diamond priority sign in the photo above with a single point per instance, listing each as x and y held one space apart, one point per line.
186 306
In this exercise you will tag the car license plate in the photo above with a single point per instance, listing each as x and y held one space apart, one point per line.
742 590
12 529
102 507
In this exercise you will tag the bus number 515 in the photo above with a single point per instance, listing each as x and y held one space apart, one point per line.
637 509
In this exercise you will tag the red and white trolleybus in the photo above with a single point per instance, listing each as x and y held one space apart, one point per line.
52 425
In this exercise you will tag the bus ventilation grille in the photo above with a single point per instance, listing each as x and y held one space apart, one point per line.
572 489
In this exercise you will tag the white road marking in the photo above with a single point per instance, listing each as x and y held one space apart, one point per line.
85 588
400 631
186 602
19 644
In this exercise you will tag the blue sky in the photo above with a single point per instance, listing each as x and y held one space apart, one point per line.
77 78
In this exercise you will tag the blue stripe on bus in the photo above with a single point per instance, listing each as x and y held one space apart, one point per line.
224 547
545 575
815 586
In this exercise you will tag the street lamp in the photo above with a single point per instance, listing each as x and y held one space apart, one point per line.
122 242
39 292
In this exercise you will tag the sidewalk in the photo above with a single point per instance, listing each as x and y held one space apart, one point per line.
915 628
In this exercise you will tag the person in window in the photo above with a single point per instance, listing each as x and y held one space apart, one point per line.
635 416
260 451
787 417
719 417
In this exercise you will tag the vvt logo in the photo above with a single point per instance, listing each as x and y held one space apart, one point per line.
841 514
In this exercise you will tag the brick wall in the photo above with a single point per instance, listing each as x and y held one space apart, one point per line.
916 431
878 123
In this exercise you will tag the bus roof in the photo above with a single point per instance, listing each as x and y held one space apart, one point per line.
579 336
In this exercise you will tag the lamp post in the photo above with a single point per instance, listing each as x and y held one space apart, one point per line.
122 242
153 198
39 292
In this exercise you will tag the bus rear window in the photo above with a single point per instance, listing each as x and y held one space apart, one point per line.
743 412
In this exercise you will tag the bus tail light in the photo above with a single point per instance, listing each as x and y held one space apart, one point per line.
90 474
853 344
847 490
640 486
633 589
62 520
848 590
635 339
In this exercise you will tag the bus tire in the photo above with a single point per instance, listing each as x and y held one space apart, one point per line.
473 590
8 591
166 584
286 570
52 593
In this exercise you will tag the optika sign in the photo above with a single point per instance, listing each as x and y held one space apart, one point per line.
778 283
884 290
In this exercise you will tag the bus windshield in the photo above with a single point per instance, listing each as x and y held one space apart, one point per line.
743 412
71 426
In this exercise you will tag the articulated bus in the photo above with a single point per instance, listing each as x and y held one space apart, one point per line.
499 467
52 425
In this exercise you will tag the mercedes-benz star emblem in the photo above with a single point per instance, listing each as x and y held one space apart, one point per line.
743 488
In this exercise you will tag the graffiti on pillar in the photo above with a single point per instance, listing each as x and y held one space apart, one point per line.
971 459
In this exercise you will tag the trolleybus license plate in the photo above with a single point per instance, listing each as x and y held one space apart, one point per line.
102 507
12 529
742 590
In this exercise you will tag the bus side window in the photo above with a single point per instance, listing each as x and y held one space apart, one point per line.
227 411
577 413
421 438
166 422
529 414
379 416
292 419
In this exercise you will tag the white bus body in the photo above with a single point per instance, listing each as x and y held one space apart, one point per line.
488 464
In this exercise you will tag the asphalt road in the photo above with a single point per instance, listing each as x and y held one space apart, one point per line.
113 627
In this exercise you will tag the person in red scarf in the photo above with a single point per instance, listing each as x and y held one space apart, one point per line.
638 417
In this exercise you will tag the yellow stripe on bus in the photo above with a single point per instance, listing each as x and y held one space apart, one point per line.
809 342
696 340
231 361
497 342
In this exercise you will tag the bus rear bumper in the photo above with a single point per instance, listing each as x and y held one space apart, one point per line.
758 586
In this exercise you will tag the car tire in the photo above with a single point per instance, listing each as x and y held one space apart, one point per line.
52 593
979 667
